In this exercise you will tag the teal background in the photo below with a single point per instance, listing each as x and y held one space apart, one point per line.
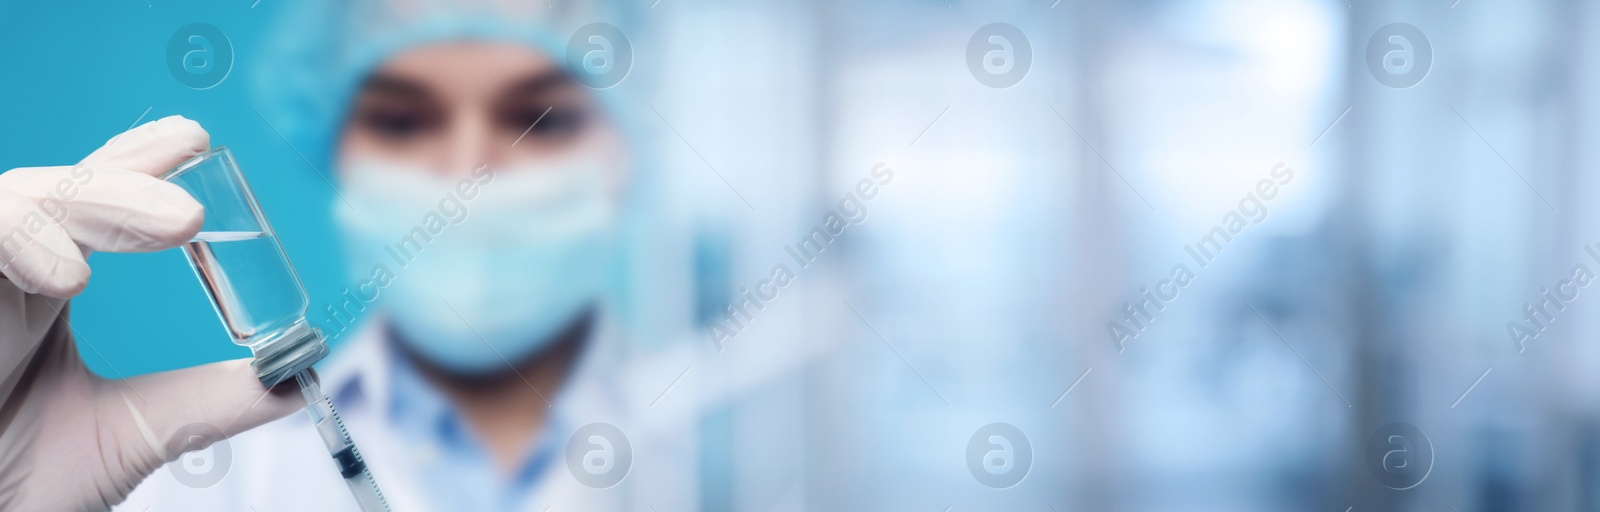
77 73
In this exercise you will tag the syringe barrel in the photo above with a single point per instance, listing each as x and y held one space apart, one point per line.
366 493
351 467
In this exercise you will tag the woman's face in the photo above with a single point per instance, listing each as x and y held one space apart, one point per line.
451 107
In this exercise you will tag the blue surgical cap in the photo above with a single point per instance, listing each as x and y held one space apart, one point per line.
321 51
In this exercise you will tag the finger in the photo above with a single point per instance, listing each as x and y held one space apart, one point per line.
36 253
110 209
152 148
221 398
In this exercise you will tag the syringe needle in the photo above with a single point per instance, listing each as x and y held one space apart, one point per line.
351 466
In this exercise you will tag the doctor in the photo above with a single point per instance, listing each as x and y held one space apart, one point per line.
480 192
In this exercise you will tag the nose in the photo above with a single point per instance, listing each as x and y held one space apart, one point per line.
471 143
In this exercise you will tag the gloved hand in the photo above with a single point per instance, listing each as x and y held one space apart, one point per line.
72 440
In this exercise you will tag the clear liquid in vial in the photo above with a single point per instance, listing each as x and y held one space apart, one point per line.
249 282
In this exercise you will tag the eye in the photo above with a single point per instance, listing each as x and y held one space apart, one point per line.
398 123
549 123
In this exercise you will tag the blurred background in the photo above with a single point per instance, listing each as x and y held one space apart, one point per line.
1351 343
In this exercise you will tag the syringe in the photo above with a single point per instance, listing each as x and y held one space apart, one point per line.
255 291
351 467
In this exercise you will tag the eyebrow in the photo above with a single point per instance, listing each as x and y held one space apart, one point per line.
544 81
394 85
538 83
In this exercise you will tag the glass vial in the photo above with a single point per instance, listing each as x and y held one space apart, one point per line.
245 272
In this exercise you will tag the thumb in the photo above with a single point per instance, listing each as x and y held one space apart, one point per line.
173 412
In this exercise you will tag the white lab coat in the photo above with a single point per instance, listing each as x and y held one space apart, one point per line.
283 466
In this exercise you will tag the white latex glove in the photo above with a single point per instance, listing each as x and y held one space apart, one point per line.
71 440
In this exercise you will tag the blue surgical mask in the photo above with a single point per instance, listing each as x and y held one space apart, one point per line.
485 269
